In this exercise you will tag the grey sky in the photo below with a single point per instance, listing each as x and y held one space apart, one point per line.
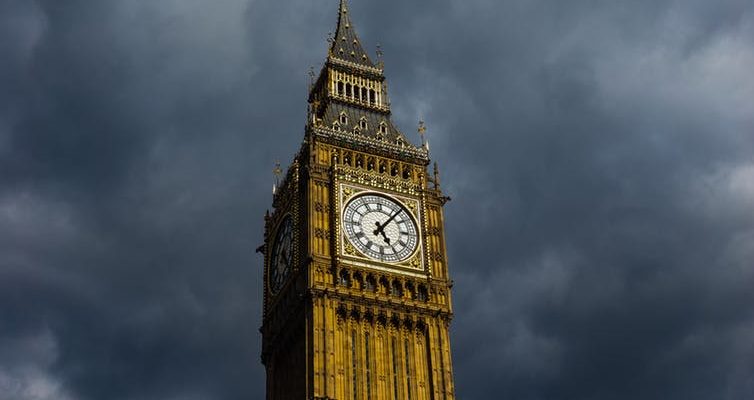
600 157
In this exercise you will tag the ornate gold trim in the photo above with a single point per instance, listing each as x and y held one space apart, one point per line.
415 264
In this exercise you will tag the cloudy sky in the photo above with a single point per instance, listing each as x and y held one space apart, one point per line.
600 157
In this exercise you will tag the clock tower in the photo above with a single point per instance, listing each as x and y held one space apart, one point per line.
357 297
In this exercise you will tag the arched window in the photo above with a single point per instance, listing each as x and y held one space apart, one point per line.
395 289
422 294
384 285
343 118
406 172
369 284
345 280
410 290
372 96
340 88
363 123
348 90
364 94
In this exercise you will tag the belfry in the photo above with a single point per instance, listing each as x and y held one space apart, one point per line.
357 298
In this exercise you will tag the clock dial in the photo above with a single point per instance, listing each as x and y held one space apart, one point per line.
380 228
282 255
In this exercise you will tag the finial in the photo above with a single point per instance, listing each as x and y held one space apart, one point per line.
330 43
277 172
379 54
422 129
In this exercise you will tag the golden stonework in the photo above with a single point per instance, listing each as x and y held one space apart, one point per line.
341 320
349 249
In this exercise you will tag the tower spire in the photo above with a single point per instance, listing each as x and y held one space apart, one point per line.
346 45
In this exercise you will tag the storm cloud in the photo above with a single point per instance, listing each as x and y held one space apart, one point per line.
600 158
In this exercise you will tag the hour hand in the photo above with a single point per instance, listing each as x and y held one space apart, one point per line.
381 230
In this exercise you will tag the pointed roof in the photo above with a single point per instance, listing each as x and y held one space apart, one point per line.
346 45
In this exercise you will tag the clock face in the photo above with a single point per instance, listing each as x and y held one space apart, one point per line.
282 255
380 228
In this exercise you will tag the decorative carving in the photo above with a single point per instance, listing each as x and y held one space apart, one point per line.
374 145
374 179
348 248
347 193
321 233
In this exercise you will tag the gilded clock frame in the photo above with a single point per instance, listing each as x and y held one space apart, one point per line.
414 265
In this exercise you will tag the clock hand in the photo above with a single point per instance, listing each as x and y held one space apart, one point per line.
381 227
391 218
380 230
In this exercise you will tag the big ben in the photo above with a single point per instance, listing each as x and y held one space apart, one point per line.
357 297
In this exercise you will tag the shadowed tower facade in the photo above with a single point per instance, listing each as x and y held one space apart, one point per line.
357 298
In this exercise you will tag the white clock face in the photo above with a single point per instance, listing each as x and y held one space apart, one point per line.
380 228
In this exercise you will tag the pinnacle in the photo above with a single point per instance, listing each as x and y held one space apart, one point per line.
346 45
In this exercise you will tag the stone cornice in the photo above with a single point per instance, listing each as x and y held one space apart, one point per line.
406 152
407 307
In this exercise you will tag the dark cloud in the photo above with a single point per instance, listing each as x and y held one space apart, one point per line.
599 156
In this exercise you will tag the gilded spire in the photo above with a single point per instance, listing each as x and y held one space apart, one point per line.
346 45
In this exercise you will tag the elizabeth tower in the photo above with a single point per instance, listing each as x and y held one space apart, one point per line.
357 295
